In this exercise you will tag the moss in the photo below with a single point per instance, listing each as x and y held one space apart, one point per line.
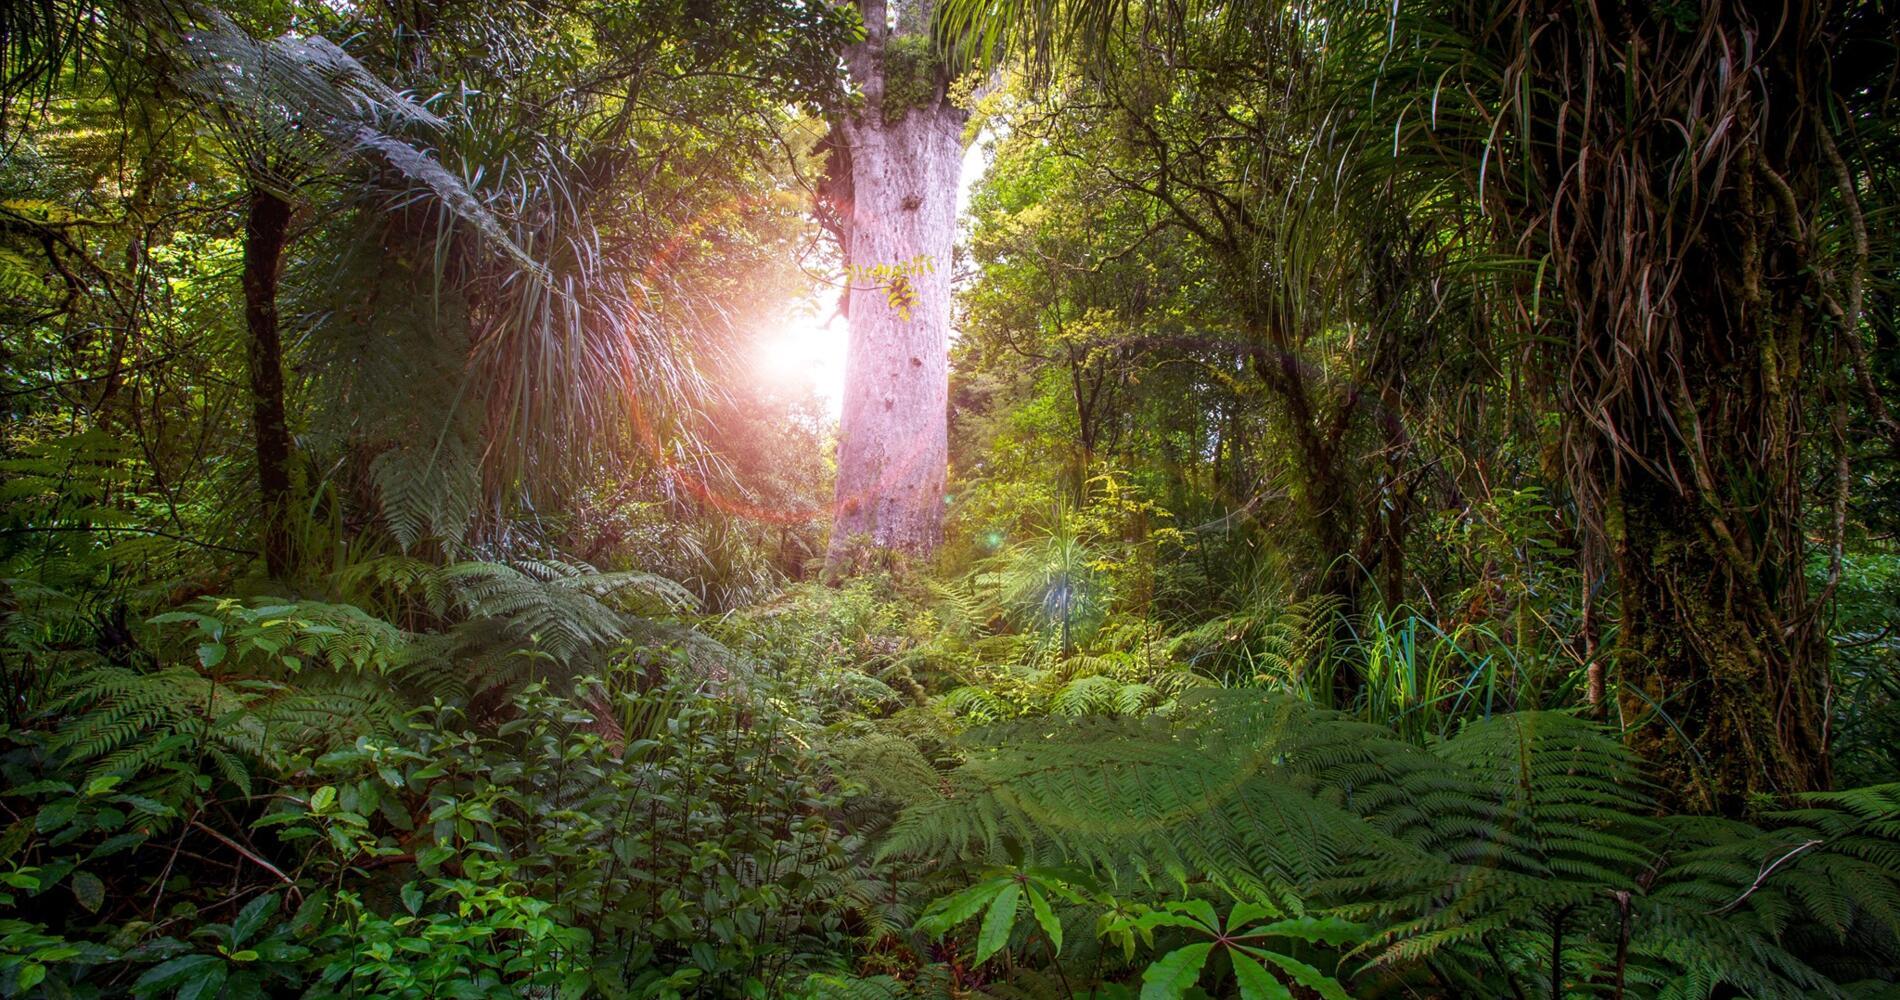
912 76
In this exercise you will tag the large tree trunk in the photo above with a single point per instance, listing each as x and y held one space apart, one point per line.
266 230
892 189
1722 646
1688 276
1731 697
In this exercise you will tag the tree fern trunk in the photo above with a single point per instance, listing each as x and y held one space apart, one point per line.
266 231
892 187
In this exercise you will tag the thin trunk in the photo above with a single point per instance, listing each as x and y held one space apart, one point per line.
1086 393
1594 688
266 230
1557 922
892 188
1323 489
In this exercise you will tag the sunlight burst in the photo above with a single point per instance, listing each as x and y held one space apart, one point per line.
804 351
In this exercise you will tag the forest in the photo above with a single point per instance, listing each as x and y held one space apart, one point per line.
950 499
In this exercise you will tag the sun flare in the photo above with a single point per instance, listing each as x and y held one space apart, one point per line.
804 351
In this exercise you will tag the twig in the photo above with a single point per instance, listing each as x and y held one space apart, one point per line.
1763 877
1498 960
248 854
1622 898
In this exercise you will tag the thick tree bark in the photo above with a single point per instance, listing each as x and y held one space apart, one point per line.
266 231
1688 277
1722 645
892 188
1702 665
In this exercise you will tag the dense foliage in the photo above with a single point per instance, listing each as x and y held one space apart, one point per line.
1416 522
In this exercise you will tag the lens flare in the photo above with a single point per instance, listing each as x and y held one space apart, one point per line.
804 351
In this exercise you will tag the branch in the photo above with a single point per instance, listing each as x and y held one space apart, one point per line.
249 855
1762 878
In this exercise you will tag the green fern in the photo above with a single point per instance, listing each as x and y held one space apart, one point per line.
563 609
1473 857
118 721
1268 642
427 492
886 765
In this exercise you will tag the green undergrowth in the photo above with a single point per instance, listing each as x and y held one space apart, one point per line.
1032 778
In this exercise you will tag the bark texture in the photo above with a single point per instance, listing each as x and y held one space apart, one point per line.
890 195
1687 270
266 231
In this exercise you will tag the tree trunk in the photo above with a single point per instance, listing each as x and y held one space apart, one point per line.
1689 281
1324 487
892 186
1699 664
266 230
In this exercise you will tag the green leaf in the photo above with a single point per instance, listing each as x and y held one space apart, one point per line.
210 625
997 923
89 891
278 949
173 974
1047 918
1256 983
42 787
412 897
310 915
1304 974
115 844
323 798
1200 911
430 858
210 654
1246 913
1170 977
1331 930
31 975
205 985
243 985
55 814
251 919
945 913
103 784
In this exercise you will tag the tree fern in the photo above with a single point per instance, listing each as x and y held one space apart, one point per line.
125 722
933 982
294 107
564 609
886 765
963 608
1269 642
427 492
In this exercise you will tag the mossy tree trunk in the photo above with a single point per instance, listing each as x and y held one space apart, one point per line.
1722 647
1672 171
890 195
266 233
